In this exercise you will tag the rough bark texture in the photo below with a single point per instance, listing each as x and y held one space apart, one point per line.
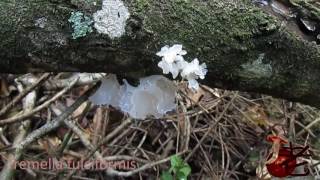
244 47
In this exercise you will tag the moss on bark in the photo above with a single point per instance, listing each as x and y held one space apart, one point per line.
230 36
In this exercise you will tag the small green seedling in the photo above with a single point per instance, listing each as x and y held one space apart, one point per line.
179 170
81 24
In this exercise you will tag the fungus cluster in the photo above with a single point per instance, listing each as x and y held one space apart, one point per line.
174 63
155 95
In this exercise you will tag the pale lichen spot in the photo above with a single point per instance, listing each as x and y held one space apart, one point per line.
41 22
111 20
257 67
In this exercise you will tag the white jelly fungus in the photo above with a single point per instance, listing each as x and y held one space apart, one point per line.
154 96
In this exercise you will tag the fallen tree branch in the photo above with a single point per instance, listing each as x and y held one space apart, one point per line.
245 47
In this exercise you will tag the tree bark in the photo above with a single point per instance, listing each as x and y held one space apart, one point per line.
245 47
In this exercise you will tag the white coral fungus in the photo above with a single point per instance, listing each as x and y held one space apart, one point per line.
174 63
193 71
171 59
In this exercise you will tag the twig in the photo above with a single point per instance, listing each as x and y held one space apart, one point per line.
7 172
3 137
307 128
124 124
98 125
127 144
167 149
56 122
24 93
124 157
83 79
119 137
79 133
82 137
105 140
161 147
145 133
186 127
210 128
38 108
142 168
65 142
56 174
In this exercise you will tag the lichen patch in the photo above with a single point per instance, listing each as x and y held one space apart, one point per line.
41 22
111 19
258 68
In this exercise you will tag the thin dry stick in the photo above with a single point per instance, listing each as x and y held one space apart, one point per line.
98 121
307 128
38 108
226 168
167 149
127 144
71 125
187 127
116 131
105 140
124 157
292 130
204 154
82 137
24 93
105 122
4 138
141 142
161 147
7 172
210 128
142 168
55 174
119 137
56 122
83 79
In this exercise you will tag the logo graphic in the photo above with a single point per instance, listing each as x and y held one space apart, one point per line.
282 160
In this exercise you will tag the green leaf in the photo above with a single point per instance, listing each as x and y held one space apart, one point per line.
166 176
181 176
186 170
176 161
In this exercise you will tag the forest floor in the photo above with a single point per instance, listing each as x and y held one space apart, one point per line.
219 134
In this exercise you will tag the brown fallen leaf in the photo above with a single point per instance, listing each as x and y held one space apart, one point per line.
256 115
4 88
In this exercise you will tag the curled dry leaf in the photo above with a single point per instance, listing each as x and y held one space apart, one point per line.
262 172
256 115
4 89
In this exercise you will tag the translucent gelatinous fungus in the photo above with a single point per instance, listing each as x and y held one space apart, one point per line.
154 96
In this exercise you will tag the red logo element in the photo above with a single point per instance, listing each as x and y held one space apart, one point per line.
282 161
